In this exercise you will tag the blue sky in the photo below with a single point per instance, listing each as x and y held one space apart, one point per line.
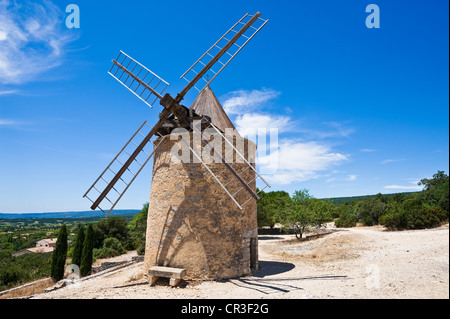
358 110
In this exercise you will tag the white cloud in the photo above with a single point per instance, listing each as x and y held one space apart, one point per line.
295 161
418 188
367 150
387 161
291 159
243 101
348 178
412 181
338 129
7 92
32 39
4 122
249 124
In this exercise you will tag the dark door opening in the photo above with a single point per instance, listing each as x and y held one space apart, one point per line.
253 254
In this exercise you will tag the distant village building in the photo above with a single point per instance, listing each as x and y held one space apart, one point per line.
51 242
43 246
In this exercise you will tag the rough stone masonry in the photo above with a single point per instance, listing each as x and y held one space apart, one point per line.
193 224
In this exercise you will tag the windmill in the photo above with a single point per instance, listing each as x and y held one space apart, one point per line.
114 181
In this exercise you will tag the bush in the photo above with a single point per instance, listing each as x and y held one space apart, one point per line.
423 217
370 209
395 217
10 277
428 217
345 220
347 216
141 249
113 226
111 247
138 228
394 221
18 270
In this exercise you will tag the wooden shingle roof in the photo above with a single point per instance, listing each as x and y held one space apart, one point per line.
207 104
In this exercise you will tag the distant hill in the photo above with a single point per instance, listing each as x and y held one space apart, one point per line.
341 200
83 214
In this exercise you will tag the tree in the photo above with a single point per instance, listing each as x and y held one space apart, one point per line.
78 249
436 190
435 183
304 212
270 204
395 217
370 209
324 210
111 247
138 228
86 256
347 215
59 255
114 226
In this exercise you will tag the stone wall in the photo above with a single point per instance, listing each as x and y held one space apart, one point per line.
193 224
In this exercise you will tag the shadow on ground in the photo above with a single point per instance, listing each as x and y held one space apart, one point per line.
268 268
262 282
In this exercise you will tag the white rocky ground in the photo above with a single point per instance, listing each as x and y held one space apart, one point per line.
361 262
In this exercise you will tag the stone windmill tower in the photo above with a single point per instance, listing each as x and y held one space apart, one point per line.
202 208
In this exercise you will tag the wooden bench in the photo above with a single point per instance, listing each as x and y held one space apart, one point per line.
175 274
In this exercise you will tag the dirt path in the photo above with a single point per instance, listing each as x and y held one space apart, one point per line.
362 262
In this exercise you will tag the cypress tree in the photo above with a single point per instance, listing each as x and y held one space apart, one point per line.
88 247
78 248
59 255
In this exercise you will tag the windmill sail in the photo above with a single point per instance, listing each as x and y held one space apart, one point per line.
238 176
142 82
236 182
149 87
211 63
114 181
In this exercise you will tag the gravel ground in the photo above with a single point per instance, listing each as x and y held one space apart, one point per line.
361 262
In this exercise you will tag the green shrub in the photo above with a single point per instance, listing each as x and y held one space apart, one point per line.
395 217
18 270
138 228
111 247
428 217
424 217
113 226
347 216
141 249
10 276
345 220
370 209
394 221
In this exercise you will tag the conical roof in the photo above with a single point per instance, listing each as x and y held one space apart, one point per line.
207 104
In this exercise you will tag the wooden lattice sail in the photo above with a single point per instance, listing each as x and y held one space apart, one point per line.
149 88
